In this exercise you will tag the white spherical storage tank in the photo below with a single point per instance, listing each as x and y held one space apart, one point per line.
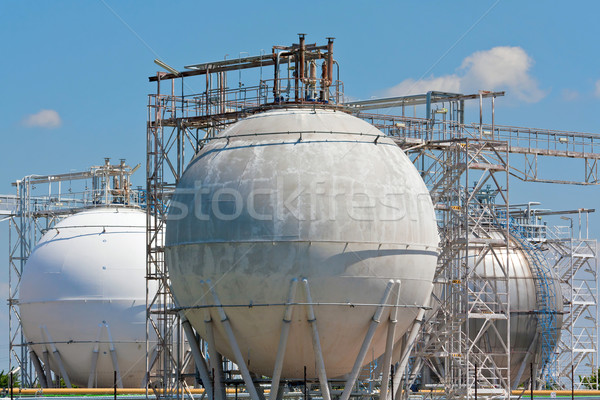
82 297
312 196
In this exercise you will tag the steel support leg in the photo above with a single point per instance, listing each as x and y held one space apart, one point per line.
285 330
410 341
57 357
113 355
320 364
47 369
389 347
360 358
214 358
38 369
198 358
239 358
95 353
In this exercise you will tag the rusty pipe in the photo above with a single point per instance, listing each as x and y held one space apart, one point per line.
330 59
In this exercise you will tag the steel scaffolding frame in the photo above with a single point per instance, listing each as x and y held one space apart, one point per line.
41 201
448 152
576 263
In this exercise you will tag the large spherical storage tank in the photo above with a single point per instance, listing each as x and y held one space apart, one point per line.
525 286
83 292
300 194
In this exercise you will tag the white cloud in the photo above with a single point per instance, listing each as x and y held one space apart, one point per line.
500 68
43 119
570 94
597 88
448 83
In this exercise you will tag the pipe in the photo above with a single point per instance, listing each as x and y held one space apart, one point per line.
239 358
285 329
276 78
360 358
330 59
389 347
197 354
302 57
320 364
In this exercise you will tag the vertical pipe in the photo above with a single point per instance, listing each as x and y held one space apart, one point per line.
302 60
330 59
476 381
493 115
320 364
531 381
392 381
115 384
480 112
366 343
305 391
572 382
276 77
285 329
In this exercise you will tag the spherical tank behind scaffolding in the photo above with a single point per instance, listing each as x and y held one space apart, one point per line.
535 305
308 199
82 298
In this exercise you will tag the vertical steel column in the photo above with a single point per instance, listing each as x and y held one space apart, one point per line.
320 364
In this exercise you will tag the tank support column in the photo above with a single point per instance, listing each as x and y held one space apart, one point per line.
239 358
366 343
197 354
38 369
113 354
316 342
57 357
410 343
95 353
285 330
389 346
525 362
47 369
215 358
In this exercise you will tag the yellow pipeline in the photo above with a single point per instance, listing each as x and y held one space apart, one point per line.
84 391
558 392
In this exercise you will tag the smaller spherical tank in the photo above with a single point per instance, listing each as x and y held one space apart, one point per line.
525 294
83 293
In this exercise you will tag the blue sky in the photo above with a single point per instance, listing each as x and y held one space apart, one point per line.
86 64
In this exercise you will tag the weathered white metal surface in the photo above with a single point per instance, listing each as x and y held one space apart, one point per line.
84 285
301 193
